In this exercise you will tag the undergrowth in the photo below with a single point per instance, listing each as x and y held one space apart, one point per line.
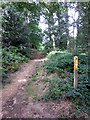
11 59
62 87
57 74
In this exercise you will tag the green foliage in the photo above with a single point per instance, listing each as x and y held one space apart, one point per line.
11 60
20 33
47 47
62 87
35 34
20 28
14 29
59 61
64 61
30 89
34 76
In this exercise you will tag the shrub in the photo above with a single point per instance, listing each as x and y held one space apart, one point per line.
11 60
65 61
62 87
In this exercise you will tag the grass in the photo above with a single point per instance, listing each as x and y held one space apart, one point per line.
30 90
36 84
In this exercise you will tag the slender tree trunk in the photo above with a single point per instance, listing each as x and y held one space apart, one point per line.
53 39
51 31
59 23
67 29
89 43
78 31
89 30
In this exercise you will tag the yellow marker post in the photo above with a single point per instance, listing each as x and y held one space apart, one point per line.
75 71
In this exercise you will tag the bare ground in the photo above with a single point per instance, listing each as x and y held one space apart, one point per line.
17 105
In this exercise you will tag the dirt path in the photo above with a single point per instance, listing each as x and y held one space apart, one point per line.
13 93
21 76
16 104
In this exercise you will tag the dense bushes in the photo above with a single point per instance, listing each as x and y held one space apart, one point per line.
60 61
62 87
11 58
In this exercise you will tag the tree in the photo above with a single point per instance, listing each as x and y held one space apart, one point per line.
53 14
35 34
14 28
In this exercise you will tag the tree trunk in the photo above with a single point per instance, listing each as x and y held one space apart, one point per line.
67 29
53 40
89 29
89 43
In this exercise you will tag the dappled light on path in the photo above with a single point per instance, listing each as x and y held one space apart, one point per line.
41 60
22 80
14 91
21 77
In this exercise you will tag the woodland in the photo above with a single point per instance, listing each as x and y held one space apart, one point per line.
58 31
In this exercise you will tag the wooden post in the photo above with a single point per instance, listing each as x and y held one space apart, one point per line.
75 72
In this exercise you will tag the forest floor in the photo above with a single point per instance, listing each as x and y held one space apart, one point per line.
17 103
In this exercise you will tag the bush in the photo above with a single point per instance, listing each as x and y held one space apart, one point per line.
62 87
11 60
59 61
